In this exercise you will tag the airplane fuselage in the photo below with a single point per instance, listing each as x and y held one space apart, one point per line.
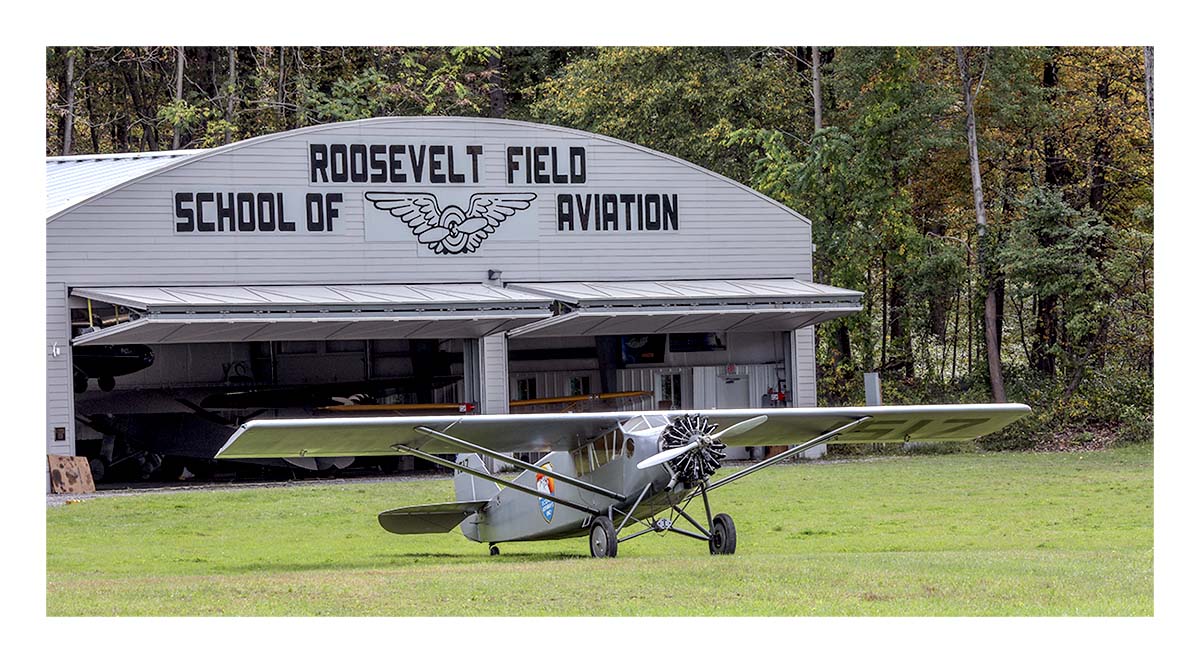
609 461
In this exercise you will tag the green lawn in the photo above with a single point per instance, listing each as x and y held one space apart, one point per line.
963 534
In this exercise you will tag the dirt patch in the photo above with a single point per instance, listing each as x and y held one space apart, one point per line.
1093 438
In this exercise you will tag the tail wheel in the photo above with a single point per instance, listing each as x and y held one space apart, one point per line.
724 536
493 550
603 538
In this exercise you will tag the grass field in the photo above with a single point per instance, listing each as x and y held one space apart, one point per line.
963 534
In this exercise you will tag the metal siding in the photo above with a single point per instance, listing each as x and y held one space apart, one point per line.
494 352
60 402
804 387
127 236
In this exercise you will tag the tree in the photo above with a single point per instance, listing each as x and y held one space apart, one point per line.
992 341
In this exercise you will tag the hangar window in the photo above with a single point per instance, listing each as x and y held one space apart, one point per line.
581 386
670 386
526 389
299 347
345 346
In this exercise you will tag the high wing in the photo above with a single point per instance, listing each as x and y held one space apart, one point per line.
507 433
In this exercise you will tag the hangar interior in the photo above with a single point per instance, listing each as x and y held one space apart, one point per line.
164 364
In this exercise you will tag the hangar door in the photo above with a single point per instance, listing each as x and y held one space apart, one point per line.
215 314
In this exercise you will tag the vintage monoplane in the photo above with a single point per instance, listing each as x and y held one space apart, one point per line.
602 472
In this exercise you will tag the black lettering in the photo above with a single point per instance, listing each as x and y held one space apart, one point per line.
630 200
670 211
456 178
609 223
578 165
245 212
266 212
339 167
378 165
436 152
584 205
189 223
559 178
314 222
475 151
284 224
416 158
318 163
202 225
331 212
566 219
358 163
653 218
512 156
396 163
609 204
225 212
539 165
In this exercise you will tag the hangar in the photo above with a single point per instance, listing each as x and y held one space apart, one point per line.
412 263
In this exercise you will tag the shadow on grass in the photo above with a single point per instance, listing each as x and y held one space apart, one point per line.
399 560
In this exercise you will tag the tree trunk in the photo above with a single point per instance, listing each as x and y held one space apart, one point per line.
816 88
69 120
1148 54
989 308
230 86
497 95
179 60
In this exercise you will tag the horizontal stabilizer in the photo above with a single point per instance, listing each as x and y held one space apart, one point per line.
428 518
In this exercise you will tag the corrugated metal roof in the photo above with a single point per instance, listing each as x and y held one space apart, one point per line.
309 297
70 180
616 293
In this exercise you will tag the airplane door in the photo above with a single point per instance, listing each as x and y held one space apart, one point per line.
733 391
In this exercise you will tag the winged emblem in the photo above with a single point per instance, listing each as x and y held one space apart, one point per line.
451 230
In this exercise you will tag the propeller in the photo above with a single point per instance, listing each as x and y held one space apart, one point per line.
692 448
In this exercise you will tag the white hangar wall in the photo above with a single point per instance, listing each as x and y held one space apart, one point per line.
129 236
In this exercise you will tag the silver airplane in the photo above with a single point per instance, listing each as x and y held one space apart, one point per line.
602 472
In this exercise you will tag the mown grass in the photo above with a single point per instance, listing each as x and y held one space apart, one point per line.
964 534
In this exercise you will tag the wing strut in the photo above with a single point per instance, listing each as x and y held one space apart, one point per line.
483 475
789 453
454 441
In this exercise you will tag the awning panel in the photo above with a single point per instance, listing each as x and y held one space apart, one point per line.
659 307
312 313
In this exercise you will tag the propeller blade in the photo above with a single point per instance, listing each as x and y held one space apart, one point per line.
741 427
663 456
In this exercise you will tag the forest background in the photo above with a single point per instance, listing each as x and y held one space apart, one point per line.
994 205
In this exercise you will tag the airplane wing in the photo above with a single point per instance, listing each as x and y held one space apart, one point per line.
507 433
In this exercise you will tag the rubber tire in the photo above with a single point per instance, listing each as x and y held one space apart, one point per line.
602 539
724 540
106 382
493 550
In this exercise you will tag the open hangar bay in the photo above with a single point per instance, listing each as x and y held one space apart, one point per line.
409 265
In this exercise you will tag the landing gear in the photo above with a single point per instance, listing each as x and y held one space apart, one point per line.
723 540
493 550
603 538
106 382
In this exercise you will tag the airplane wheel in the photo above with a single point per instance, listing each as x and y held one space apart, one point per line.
106 382
724 536
80 383
603 538
494 550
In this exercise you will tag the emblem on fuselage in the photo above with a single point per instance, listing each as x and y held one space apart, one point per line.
545 485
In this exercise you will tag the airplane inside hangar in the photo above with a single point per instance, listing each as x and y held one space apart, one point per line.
409 265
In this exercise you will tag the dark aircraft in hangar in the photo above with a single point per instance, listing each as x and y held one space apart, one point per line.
105 362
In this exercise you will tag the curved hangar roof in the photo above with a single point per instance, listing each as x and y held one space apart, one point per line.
593 236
